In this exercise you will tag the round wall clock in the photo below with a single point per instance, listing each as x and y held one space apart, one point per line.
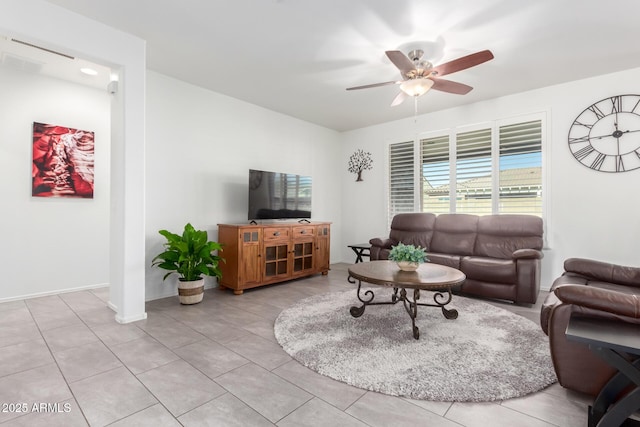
606 135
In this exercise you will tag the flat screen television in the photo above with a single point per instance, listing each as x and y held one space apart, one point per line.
276 195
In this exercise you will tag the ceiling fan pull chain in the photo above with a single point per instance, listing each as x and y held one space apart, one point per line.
415 109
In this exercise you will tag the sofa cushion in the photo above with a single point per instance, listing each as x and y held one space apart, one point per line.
444 259
413 228
454 234
489 269
490 289
500 235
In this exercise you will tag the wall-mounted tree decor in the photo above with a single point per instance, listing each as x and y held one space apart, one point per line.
359 161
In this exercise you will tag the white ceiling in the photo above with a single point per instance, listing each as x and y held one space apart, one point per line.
298 56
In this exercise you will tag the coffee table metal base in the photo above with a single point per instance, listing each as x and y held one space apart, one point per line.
440 299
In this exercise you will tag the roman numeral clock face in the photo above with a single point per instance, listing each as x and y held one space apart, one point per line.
606 135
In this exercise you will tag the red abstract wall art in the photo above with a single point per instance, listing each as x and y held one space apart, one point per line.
63 161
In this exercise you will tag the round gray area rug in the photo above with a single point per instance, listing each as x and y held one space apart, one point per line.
486 354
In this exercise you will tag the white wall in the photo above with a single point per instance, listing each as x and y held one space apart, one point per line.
590 214
200 147
52 243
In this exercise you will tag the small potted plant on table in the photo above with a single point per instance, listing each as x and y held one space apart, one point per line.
189 255
408 257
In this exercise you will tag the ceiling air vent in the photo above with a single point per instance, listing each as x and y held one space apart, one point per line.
21 63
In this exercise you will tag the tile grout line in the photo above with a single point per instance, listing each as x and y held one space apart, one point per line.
75 399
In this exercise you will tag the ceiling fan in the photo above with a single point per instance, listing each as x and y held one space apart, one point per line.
419 75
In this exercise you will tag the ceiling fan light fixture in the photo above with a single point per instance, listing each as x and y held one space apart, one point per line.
416 87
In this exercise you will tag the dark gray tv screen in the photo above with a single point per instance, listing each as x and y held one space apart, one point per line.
276 195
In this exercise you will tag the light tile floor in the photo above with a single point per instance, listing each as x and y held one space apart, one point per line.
64 361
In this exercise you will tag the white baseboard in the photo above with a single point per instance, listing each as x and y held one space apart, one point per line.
131 318
56 292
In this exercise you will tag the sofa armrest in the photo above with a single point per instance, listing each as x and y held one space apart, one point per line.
600 299
382 243
527 254
604 271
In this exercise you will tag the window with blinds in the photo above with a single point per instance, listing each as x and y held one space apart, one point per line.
401 178
434 182
520 180
494 169
473 172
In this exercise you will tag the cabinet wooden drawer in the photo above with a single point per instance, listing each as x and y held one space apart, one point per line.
302 232
276 234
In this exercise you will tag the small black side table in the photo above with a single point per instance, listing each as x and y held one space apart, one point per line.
611 341
359 249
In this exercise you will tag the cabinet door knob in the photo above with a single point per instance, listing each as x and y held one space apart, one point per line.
277 233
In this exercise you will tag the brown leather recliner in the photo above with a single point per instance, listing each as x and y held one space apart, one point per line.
591 289
499 254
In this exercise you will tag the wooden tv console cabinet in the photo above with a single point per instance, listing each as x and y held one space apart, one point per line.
262 254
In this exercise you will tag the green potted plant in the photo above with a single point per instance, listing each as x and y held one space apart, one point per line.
408 257
190 256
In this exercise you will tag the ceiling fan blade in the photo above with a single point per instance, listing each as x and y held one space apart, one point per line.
450 87
401 61
373 85
399 99
462 63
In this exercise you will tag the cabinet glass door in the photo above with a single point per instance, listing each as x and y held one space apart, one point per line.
276 260
302 256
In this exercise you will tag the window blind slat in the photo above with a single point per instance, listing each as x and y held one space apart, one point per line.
401 178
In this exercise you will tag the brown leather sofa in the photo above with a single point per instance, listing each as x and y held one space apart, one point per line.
499 254
591 289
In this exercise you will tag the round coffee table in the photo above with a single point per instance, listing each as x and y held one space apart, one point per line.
431 277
